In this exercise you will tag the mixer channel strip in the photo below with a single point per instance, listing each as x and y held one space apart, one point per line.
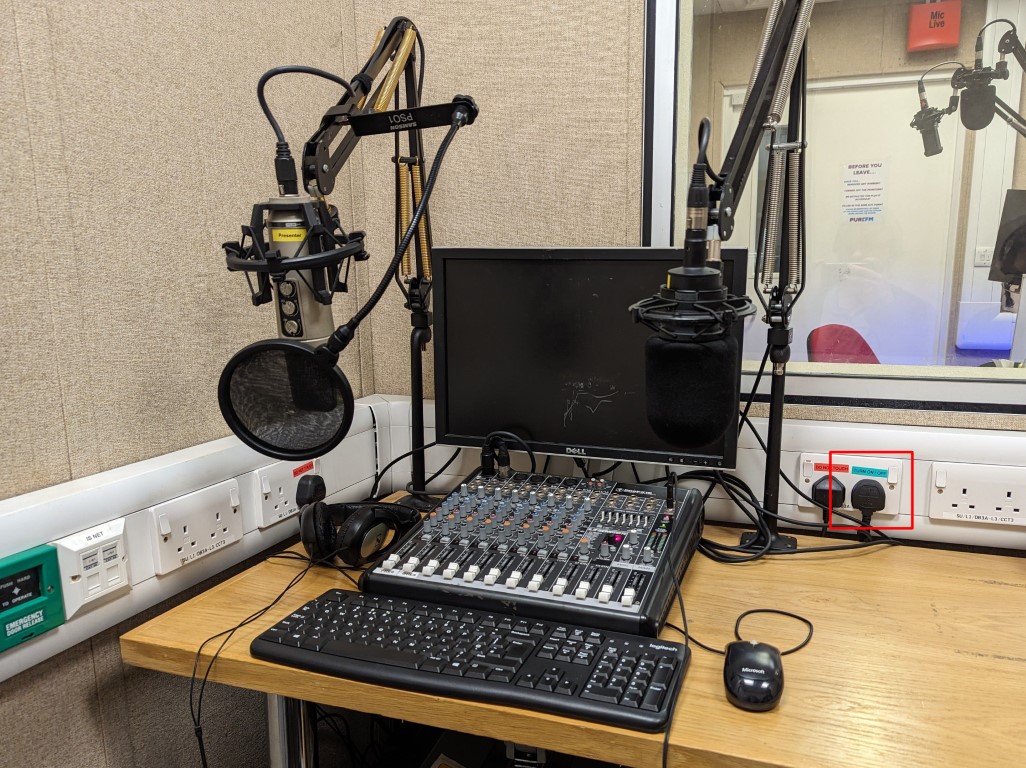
596 675
597 553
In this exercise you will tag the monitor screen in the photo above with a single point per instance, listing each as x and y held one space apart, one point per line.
540 342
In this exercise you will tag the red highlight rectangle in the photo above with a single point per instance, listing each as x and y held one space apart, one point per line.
302 468
911 491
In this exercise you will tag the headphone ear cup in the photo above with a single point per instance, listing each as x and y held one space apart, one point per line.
361 537
317 531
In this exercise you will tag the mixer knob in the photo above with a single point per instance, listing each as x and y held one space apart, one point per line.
604 549
535 583
514 579
410 564
582 590
532 499
492 576
430 568
464 491
471 573
515 496
551 501
586 505
390 562
559 587
569 503
633 537
646 555
605 593
625 552
480 491
627 599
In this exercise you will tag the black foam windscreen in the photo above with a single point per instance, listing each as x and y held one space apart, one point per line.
976 108
691 390
281 399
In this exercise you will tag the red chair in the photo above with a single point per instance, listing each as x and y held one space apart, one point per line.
838 344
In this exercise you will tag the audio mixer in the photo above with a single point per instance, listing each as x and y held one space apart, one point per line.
602 554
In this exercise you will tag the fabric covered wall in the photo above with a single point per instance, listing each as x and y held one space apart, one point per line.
133 146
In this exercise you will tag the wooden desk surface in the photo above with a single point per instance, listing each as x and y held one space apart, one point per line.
918 659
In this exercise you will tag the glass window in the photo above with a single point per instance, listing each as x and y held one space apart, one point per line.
914 262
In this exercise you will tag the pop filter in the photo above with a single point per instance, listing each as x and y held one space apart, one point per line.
285 399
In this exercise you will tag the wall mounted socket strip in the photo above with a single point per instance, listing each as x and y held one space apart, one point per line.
274 490
93 565
195 525
978 493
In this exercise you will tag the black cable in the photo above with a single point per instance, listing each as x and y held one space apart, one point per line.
778 612
196 703
673 704
382 286
293 69
545 467
812 501
582 466
516 439
392 463
755 388
634 469
737 626
608 470
435 476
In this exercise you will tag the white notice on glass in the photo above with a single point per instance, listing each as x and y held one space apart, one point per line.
862 192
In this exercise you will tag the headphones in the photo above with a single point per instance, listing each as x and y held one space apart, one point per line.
357 533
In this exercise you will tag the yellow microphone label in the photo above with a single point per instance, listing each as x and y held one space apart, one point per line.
291 235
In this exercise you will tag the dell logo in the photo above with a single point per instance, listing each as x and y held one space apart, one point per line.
575 451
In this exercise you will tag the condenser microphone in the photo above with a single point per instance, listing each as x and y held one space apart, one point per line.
927 122
977 107
691 361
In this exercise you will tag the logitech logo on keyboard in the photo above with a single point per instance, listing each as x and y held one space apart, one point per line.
668 648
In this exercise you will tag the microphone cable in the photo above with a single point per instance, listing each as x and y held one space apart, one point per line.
293 69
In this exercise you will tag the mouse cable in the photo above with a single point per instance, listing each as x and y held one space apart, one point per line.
737 628
673 704
196 701
777 612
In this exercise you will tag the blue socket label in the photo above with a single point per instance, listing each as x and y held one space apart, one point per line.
869 472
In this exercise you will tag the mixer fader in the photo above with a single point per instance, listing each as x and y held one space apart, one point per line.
592 552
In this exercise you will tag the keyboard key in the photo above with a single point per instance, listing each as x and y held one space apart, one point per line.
371 653
601 693
653 697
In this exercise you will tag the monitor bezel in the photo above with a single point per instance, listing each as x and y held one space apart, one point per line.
441 257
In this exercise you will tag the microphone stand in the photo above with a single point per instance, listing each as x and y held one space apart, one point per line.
780 71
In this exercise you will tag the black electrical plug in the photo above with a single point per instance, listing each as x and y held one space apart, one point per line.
868 496
309 489
828 492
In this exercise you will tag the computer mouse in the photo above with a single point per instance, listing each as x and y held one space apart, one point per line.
753 674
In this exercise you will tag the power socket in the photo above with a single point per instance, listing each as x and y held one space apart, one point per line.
274 494
978 493
195 525
849 468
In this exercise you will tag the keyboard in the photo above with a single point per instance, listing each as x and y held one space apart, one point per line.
605 677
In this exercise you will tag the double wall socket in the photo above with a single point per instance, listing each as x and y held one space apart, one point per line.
195 525
275 490
848 469
978 493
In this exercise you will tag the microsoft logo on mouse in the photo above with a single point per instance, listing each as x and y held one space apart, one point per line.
749 669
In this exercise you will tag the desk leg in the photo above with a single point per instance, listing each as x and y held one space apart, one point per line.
290 730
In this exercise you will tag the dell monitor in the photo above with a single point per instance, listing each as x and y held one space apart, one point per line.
540 342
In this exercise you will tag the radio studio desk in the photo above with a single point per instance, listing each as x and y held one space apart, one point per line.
918 659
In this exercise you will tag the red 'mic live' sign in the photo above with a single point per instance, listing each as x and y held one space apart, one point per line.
932 26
